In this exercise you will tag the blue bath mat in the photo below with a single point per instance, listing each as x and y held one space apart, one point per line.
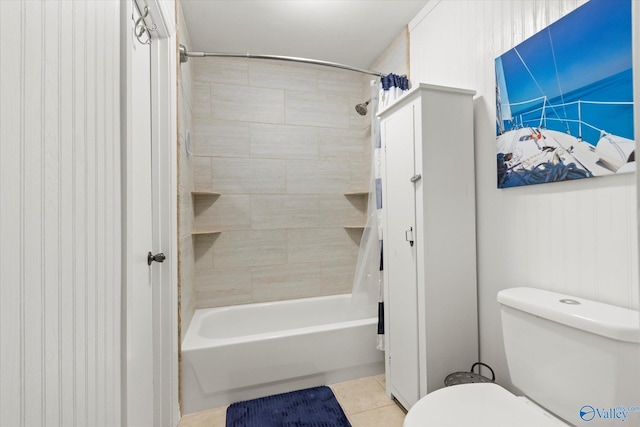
312 407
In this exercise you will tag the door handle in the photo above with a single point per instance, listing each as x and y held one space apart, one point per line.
157 258
408 236
415 178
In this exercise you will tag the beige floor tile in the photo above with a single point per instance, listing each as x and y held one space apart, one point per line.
361 395
382 380
387 416
363 400
212 418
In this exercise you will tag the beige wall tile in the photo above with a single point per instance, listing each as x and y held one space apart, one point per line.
284 211
338 210
341 143
186 184
201 102
283 141
338 275
226 212
187 275
186 212
283 76
221 138
360 174
356 121
203 251
247 104
319 109
250 248
248 175
355 234
318 176
201 173
186 266
282 208
315 244
185 114
339 81
231 71
222 287
286 281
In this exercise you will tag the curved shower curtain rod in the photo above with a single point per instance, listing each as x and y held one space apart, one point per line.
185 55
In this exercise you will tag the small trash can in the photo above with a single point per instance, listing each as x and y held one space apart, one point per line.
458 378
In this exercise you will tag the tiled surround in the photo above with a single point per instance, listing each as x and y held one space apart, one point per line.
186 267
282 143
363 401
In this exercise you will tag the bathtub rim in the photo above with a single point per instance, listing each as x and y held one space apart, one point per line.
194 341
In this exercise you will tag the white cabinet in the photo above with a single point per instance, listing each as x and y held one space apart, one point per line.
429 239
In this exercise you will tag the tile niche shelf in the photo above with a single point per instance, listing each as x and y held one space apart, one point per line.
356 194
203 194
204 232
354 227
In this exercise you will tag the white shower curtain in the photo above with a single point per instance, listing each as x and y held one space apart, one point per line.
367 292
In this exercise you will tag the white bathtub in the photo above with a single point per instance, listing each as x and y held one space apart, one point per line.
247 351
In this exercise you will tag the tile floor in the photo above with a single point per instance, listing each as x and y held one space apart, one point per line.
364 401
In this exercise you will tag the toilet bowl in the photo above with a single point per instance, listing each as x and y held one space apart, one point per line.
543 332
478 405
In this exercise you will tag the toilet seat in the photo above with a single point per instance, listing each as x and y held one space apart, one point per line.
477 405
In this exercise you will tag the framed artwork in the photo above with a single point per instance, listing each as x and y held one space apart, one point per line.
564 99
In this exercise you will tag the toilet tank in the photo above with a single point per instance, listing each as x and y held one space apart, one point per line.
577 358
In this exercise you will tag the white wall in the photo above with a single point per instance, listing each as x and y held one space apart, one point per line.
60 213
575 237
394 58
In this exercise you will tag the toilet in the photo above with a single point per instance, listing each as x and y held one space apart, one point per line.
576 362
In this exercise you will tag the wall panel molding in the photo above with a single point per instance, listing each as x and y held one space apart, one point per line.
60 213
577 237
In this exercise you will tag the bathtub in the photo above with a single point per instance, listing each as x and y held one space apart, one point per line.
242 352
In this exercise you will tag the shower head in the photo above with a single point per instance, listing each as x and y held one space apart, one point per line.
362 108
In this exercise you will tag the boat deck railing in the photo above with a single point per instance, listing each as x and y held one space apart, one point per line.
519 122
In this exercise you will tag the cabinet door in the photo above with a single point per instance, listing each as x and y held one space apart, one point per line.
400 266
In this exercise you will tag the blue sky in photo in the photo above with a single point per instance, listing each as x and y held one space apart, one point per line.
590 44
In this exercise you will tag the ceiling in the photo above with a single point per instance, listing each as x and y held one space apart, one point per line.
353 32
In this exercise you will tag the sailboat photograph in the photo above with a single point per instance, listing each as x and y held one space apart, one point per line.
564 99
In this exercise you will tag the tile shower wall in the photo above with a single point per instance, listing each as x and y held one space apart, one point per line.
281 143
186 268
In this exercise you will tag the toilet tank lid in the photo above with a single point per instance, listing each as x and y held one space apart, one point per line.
598 318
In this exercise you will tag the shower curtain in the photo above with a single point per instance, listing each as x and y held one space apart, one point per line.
367 295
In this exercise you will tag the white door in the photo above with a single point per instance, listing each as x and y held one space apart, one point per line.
139 295
400 265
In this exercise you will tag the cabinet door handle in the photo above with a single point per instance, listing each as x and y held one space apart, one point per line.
415 178
408 236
